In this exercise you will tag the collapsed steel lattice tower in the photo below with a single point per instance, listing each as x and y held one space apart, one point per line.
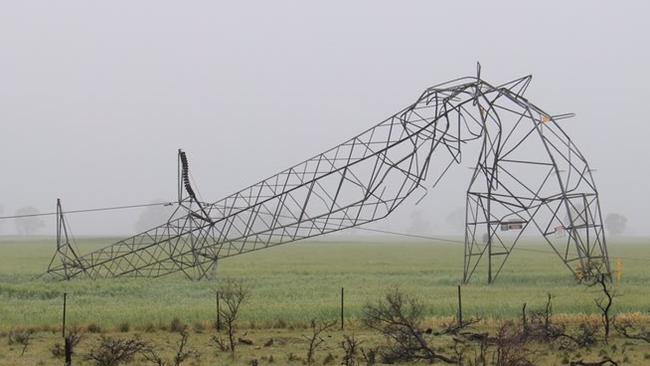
529 176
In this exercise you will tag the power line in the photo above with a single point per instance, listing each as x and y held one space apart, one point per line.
451 241
89 210
413 235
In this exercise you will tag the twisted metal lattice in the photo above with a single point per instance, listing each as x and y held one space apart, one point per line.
529 177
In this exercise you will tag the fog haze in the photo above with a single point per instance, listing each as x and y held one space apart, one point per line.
95 98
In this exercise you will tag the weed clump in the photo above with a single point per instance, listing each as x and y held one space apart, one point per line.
176 326
124 327
21 337
93 328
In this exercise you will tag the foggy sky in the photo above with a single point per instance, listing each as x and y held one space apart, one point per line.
95 97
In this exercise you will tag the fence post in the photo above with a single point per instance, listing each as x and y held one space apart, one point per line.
342 306
68 351
523 319
218 313
67 343
65 298
460 308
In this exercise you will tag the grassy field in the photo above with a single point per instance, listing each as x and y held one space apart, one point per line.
295 283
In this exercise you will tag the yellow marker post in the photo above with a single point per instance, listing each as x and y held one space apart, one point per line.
619 269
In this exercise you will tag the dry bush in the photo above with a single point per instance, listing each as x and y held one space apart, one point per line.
626 328
232 294
183 352
454 327
350 346
369 355
20 337
594 275
540 325
604 362
587 335
605 301
315 339
511 347
398 318
72 339
115 351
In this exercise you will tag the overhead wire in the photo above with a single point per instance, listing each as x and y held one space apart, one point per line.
452 241
88 210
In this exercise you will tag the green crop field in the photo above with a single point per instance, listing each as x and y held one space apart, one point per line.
295 283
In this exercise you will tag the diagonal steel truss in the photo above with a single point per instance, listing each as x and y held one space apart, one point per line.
529 177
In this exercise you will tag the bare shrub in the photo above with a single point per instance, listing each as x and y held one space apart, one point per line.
369 355
350 346
72 340
604 362
596 276
183 352
58 351
511 347
627 329
22 338
398 318
461 348
540 325
585 337
455 327
232 294
246 341
604 303
328 359
315 339
115 351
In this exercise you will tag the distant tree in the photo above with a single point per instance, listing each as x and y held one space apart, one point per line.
152 216
2 211
30 224
615 223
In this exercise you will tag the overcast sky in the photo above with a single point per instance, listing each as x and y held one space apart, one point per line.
95 97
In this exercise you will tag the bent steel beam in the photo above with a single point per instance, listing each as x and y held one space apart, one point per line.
529 176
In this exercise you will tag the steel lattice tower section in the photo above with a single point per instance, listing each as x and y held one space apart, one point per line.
529 177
